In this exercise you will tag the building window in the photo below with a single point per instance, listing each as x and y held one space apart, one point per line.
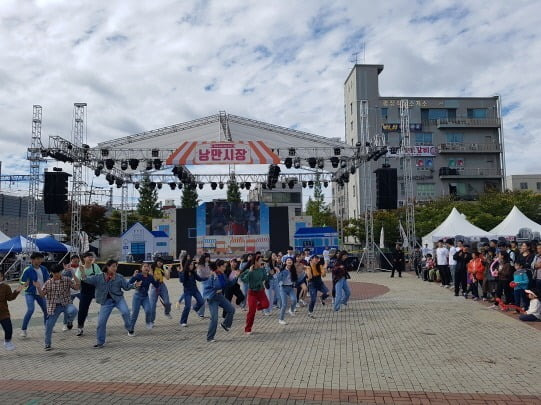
297 212
384 112
161 243
423 138
524 186
538 184
138 248
455 137
354 190
426 190
192 233
402 189
351 108
457 163
351 125
164 228
438 113
477 112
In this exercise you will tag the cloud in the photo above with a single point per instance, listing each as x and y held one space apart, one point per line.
159 63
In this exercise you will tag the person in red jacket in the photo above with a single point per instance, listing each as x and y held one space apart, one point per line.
476 269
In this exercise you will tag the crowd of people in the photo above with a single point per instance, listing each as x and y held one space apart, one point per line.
258 282
506 274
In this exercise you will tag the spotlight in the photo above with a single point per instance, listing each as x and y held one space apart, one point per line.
85 146
312 162
136 185
110 179
155 153
134 164
221 185
311 184
264 186
119 182
291 184
242 185
179 186
157 164
337 151
297 163
345 177
320 163
343 163
213 185
340 182
173 185
288 162
325 184
100 165
283 185
105 152
109 164
303 184
380 153
175 170
352 169
291 152
200 185
152 185
123 165
149 165
97 172
248 185
159 186
334 162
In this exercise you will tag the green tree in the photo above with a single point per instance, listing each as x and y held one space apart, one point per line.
319 211
148 206
189 197
233 192
113 222
93 221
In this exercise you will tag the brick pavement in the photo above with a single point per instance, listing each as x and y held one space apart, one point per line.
403 341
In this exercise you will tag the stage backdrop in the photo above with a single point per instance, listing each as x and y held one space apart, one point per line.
231 229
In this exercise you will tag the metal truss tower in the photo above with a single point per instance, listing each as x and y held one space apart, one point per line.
78 138
405 156
123 208
34 156
369 256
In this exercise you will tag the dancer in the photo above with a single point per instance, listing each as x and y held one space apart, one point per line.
69 271
109 295
160 275
33 277
140 297
340 277
5 320
57 290
301 284
89 268
271 287
255 278
203 271
188 277
233 289
314 274
286 279
213 289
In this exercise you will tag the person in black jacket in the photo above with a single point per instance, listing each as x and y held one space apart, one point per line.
462 258
398 260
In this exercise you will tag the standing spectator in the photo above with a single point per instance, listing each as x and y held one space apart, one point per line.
398 260
536 269
513 251
520 284
525 257
442 262
489 281
427 250
504 275
417 261
33 278
533 314
452 261
326 254
290 254
476 268
462 258
5 320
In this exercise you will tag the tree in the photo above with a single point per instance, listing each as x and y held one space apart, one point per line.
148 206
233 192
113 222
319 211
189 197
93 221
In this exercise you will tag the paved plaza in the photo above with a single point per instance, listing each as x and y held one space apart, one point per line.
400 340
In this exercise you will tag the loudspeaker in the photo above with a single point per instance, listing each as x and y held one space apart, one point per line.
386 188
55 192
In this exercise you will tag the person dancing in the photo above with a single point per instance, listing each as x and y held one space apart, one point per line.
140 297
286 279
314 274
87 291
188 277
255 278
160 274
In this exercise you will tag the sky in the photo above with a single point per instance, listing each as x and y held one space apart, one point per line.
145 65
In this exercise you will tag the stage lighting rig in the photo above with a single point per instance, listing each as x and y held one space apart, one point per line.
311 184
312 162
124 165
213 185
345 177
200 185
320 163
221 185
157 164
303 184
160 185
152 185
352 169
334 162
119 182
97 172
134 164
109 164
155 153
343 163
297 163
291 152
173 185
248 185
283 185
325 184
136 185
291 183
288 162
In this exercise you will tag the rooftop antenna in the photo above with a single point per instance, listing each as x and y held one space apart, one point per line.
354 58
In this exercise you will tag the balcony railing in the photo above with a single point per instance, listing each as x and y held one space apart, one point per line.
449 172
468 123
469 147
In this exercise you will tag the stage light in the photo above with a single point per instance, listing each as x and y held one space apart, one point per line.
155 153
291 152
124 165
119 182
291 184
380 153
179 186
325 184
159 185
340 182
320 163
175 170
343 163
152 185
109 164
97 172
110 179
352 169
288 162
149 165
200 186
213 185
157 164
221 185
136 185
297 163
334 162
134 164
337 151
242 185
264 186
105 152
311 184
345 177
303 184
283 185
173 185
85 146
312 162
248 185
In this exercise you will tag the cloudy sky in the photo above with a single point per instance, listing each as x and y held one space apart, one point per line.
145 65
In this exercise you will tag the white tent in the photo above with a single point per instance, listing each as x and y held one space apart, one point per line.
3 237
513 222
455 224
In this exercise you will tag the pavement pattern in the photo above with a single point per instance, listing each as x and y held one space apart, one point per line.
400 340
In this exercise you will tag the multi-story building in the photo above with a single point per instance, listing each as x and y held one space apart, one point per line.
13 216
523 182
456 142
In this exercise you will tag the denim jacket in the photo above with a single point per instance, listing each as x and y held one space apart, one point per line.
112 287
284 278
189 282
215 284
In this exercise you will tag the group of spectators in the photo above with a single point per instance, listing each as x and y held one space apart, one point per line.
504 273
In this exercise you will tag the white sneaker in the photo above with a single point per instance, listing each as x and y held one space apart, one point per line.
150 325
23 333
9 345
302 303
311 315
290 312
183 325
282 322
64 328
168 316
131 334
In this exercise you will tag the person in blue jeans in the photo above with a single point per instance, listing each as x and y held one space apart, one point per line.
160 274
340 280
213 292
286 278
188 276
58 292
314 274
109 295
34 277
140 297
273 291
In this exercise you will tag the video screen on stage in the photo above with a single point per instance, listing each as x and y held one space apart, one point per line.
225 218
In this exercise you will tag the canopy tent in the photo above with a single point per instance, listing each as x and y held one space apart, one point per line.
47 244
15 245
514 221
3 237
51 245
455 224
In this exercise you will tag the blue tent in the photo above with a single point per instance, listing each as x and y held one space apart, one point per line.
15 245
316 239
47 244
50 245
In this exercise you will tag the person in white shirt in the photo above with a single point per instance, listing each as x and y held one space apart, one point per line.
452 262
442 262
325 254
533 314
427 250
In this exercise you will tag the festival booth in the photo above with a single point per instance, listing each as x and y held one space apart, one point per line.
316 239
48 244
456 224
516 223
